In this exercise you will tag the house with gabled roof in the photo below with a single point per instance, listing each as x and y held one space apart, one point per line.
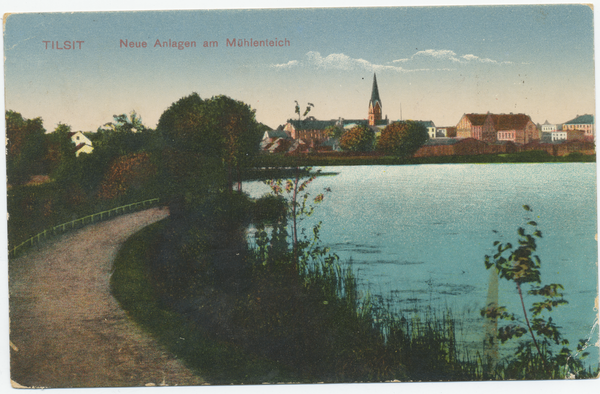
309 129
474 126
274 134
270 136
83 148
280 145
583 123
82 143
517 128
77 137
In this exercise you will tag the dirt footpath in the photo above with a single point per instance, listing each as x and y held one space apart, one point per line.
67 330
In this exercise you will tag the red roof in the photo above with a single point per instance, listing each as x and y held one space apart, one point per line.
476 119
510 121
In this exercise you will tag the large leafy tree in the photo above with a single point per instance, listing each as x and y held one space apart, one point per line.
334 131
185 126
221 129
402 138
240 134
59 150
358 139
127 174
125 135
128 124
25 147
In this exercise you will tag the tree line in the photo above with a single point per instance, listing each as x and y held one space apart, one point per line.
401 139
199 147
219 134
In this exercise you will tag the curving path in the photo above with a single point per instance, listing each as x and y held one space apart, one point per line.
67 330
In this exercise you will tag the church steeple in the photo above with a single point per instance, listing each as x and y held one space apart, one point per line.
374 104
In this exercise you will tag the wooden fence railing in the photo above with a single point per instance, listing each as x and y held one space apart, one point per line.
78 223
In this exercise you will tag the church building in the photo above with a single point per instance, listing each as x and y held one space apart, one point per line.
374 104
312 131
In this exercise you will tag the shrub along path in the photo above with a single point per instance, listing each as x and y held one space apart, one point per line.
67 330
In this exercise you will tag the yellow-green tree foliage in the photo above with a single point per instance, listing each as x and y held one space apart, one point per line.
357 139
125 174
402 138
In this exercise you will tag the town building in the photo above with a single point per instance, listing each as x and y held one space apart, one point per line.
82 143
583 123
517 128
445 132
473 125
309 129
430 126
375 105
548 128
83 148
558 135
314 132
270 136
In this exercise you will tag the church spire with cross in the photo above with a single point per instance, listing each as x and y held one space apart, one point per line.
374 104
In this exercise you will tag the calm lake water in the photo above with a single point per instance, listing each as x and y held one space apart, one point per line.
418 235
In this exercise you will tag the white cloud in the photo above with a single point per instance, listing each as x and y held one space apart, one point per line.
290 64
340 61
446 54
336 61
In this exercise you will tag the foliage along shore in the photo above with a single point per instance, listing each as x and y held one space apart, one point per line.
371 158
296 311
267 323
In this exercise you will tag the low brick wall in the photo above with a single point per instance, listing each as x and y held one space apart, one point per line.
472 146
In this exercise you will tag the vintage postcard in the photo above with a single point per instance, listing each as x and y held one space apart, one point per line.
302 195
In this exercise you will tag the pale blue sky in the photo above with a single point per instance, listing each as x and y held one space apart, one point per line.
431 63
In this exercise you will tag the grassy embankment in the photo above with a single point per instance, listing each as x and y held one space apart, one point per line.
281 325
310 330
217 361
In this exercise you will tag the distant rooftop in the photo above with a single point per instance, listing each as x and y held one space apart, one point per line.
582 119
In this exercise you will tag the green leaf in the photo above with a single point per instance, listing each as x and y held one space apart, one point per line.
526 207
532 223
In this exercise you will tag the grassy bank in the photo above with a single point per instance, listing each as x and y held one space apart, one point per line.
269 312
284 327
214 360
